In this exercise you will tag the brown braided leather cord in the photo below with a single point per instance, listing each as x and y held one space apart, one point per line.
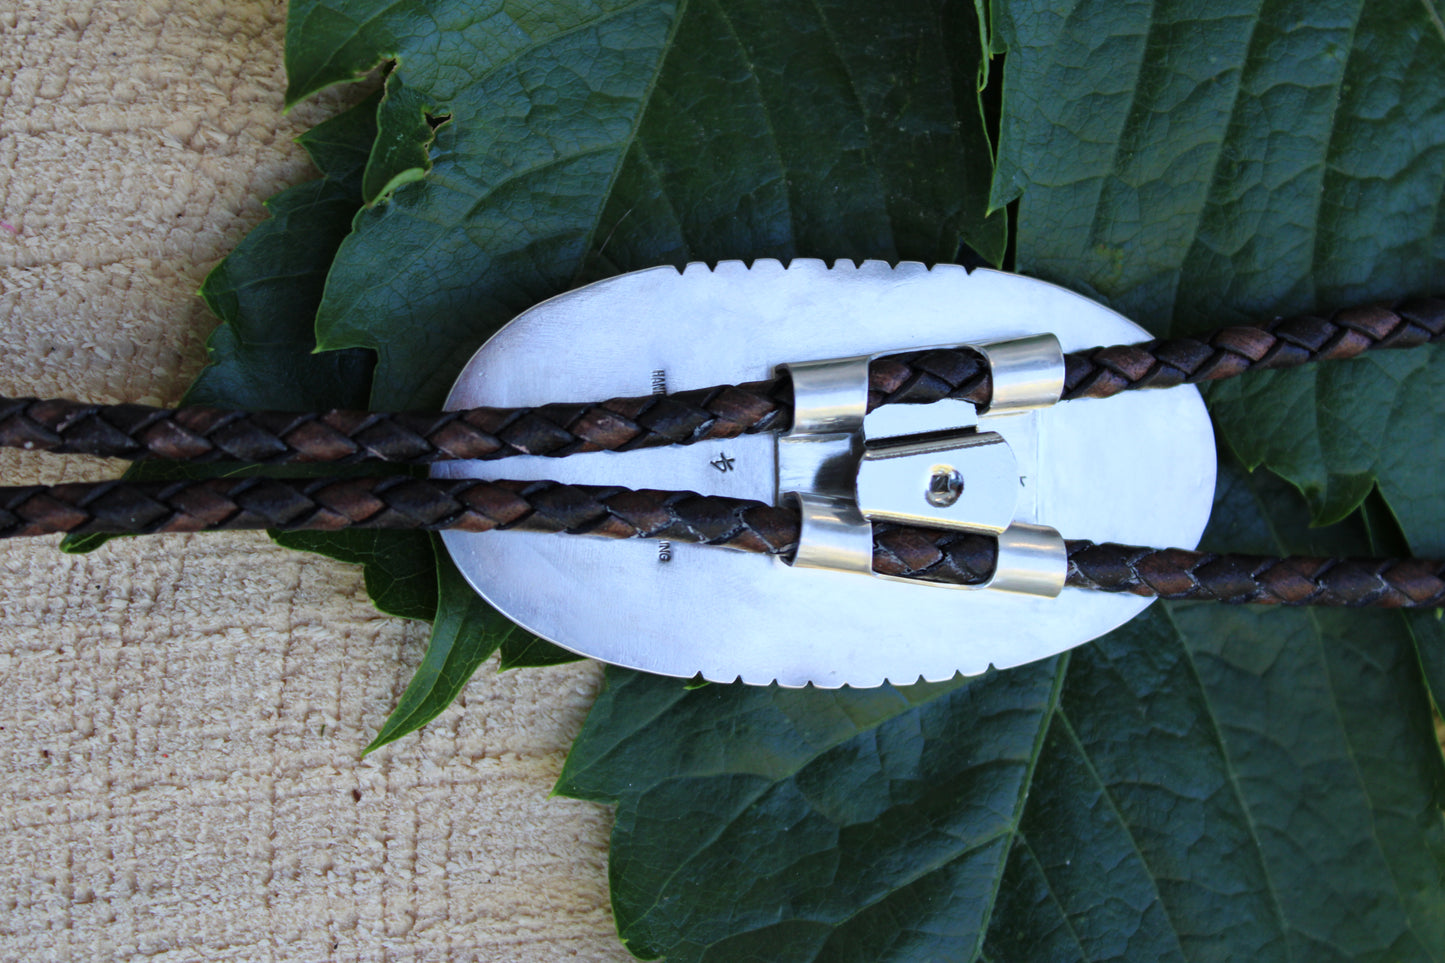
1174 573
685 417
396 502
933 555
403 502
1281 343
965 559
958 558
200 434
926 376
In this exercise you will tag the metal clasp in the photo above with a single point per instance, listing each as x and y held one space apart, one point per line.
930 465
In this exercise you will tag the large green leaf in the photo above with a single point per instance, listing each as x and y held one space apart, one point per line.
1216 785
263 355
582 138
1198 164
1209 783
776 824
542 108
1247 783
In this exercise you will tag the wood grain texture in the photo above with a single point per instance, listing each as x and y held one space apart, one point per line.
181 716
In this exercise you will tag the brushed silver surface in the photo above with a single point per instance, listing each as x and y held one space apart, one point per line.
895 483
834 534
819 452
1032 560
1026 372
727 615
829 396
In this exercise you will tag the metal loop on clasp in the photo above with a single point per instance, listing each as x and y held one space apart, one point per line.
958 478
1027 372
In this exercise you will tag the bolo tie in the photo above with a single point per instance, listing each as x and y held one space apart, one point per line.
906 426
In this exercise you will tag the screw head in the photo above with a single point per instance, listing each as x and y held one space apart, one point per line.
945 485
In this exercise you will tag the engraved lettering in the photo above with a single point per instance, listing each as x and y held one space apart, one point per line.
722 462
659 381
664 551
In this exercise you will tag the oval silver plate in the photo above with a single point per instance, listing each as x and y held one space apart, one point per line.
1138 468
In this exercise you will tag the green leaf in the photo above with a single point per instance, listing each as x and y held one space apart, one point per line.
1208 782
790 129
1426 626
453 653
402 153
673 133
1203 164
1371 421
264 355
1270 165
540 121
1179 814
521 651
767 823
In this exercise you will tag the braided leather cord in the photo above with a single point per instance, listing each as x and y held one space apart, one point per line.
200 434
958 558
961 558
1173 573
685 417
395 502
965 559
1281 343
921 377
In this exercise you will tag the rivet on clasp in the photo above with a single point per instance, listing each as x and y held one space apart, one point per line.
918 473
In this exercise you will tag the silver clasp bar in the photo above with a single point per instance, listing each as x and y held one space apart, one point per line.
935 466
